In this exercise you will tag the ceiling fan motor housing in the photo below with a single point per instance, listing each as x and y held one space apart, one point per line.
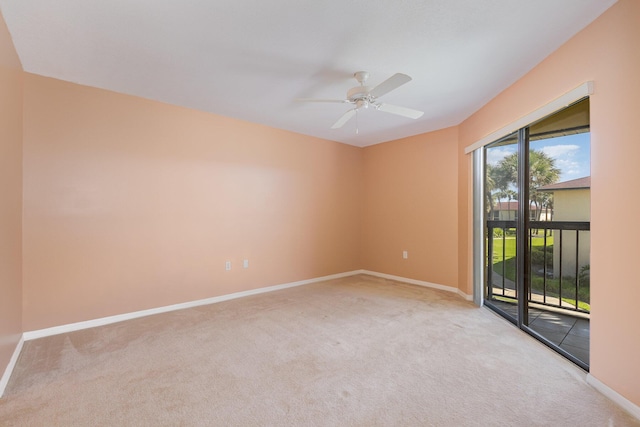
358 93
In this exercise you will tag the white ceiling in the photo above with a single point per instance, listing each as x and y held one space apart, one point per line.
250 59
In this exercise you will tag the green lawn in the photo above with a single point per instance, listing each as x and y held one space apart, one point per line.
507 268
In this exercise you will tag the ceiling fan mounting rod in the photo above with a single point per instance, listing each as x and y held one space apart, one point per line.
361 77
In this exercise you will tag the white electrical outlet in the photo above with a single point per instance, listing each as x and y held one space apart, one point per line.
227 265
405 255
245 263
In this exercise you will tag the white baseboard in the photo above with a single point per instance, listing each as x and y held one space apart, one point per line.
467 297
71 327
625 403
12 364
419 283
40 333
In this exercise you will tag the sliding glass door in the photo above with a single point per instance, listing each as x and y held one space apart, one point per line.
501 210
537 203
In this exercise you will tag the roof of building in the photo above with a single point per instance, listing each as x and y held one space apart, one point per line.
505 206
574 184
509 206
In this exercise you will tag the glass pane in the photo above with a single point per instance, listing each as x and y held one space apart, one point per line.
559 200
501 208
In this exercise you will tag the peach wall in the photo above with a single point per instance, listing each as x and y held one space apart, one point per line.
131 204
410 200
10 197
607 53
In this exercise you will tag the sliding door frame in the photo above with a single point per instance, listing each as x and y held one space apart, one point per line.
478 228
523 255
523 251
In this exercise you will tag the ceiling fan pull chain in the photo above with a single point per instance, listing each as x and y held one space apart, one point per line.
356 121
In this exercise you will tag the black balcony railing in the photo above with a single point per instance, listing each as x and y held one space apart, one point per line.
559 263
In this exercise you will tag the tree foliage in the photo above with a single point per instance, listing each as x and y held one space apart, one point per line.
504 179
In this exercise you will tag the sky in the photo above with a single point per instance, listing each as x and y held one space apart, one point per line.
572 154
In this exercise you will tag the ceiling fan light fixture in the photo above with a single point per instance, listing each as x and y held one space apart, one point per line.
362 103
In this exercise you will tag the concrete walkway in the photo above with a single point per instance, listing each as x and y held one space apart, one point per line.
567 329
536 296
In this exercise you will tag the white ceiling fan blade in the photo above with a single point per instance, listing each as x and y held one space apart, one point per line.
390 84
400 111
340 101
344 119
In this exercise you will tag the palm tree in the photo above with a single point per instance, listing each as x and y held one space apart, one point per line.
511 195
542 171
505 178
490 186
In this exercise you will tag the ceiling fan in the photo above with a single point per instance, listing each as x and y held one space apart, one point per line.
365 96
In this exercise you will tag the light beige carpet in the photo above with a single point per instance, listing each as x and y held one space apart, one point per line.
359 351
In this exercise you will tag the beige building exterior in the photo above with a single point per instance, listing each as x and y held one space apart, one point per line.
508 211
572 202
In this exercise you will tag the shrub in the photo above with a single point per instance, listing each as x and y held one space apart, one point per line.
537 256
584 278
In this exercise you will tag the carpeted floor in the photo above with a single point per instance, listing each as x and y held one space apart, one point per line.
358 351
